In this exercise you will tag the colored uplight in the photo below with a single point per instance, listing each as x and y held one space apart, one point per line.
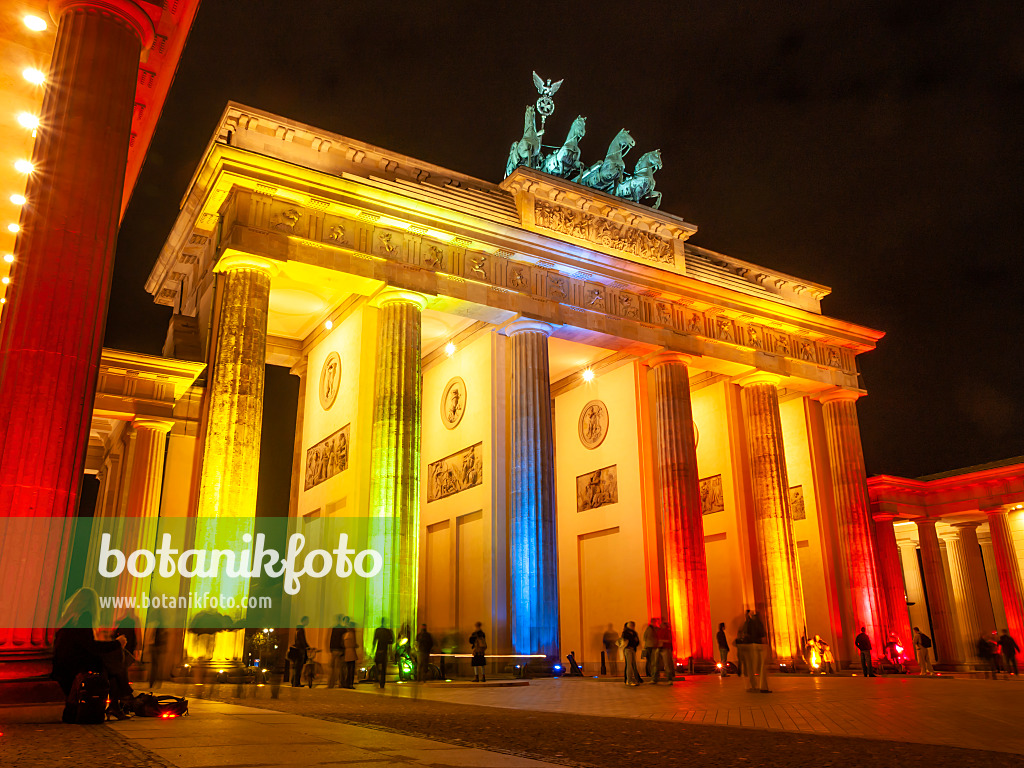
24 166
449 348
33 75
35 23
329 324
9 257
28 120
18 199
13 228
5 280
588 375
719 665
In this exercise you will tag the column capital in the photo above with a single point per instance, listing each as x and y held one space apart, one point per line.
907 544
525 324
399 296
299 369
758 377
130 13
236 260
839 395
667 356
157 425
970 525
884 516
925 522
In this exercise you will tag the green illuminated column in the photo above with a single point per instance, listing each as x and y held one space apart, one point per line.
395 460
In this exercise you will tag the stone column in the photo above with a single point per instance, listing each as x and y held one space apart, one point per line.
1008 569
533 557
853 515
773 519
961 597
893 588
395 460
686 572
52 330
915 586
943 622
299 369
974 575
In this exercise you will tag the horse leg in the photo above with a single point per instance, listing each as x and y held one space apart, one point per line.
657 201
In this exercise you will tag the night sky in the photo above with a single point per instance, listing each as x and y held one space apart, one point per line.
874 147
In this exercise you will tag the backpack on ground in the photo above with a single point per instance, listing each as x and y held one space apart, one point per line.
87 702
926 642
164 707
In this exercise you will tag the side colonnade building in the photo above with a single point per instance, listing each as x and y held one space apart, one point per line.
569 416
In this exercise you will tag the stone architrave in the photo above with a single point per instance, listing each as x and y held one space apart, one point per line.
682 522
52 330
853 515
946 648
395 459
1011 585
773 522
533 556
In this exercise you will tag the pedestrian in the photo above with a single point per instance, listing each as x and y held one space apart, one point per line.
985 653
723 649
630 642
742 650
997 657
424 647
863 643
651 645
337 645
478 646
757 639
351 657
828 660
923 651
1008 646
382 640
297 652
666 659
611 650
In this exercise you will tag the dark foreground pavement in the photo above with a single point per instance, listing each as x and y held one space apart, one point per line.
77 746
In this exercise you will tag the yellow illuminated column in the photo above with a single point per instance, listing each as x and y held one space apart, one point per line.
773 519
962 598
395 460
682 530
974 575
1008 567
915 586
853 516
939 606
299 369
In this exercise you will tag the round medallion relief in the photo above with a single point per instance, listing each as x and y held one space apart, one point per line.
330 380
453 402
593 424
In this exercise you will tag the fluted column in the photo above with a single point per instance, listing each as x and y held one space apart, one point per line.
974 575
395 459
894 591
231 450
962 597
686 572
915 586
773 519
533 557
52 329
853 514
1008 569
939 605
299 369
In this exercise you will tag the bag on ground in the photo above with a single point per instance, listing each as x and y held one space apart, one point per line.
87 701
164 707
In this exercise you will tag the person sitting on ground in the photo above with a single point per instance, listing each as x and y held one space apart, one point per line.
76 650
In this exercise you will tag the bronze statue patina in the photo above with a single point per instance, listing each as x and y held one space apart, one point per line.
565 161
607 174
637 186
526 151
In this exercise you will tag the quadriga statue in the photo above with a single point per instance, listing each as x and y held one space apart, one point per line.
565 161
526 151
636 186
608 173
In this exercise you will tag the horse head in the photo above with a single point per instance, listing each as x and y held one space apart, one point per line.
530 124
649 161
621 144
577 130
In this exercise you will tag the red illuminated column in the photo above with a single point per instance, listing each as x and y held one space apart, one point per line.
686 571
939 606
894 590
853 514
52 330
773 519
1008 568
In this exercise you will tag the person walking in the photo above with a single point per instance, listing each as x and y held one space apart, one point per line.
337 646
631 641
863 643
382 640
297 653
742 644
666 658
424 647
983 647
651 645
478 647
757 640
923 651
351 657
723 649
1008 647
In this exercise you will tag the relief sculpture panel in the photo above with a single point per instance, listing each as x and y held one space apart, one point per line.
455 473
327 458
610 234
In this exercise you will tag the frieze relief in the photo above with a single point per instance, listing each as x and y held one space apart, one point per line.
610 234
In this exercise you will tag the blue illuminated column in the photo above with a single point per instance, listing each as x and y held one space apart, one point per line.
533 561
